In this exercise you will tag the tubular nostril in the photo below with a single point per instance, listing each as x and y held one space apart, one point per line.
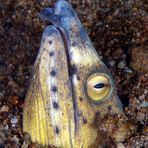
46 13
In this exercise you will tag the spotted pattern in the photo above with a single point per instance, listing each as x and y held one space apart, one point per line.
54 89
84 121
53 84
55 105
53 73
50 41
57 130
51 53
74 44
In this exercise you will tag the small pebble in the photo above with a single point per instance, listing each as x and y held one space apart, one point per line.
6 127
112 63
4 108
15 138
144 104
139 56
14 119
122 64
140 116
141 97
1 95
3 70
120 145
128 70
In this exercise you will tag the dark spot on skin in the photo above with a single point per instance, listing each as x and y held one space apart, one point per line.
73 44
97 113
53 72
73 70
79 114
51 54
57 130
78 78
54 89
84 121
55 105
109 108
50 41
81 99
97 118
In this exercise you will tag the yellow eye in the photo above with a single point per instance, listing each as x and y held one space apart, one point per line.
98 87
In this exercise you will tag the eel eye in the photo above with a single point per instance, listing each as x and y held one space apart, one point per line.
98 87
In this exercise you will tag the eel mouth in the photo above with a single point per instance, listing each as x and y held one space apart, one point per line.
55 16
71 69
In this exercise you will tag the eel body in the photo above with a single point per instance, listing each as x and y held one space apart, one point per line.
70 85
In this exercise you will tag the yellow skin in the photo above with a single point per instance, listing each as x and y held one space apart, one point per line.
69 87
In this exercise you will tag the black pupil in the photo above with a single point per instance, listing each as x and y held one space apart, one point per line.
99 85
